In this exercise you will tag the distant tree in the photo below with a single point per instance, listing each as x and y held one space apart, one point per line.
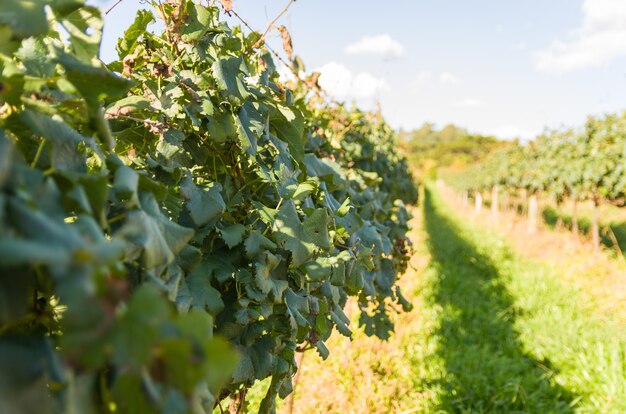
428 148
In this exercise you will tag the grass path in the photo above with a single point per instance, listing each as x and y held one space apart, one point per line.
491 332
485 365
511 336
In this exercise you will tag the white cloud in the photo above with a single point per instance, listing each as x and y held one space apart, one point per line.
285 74
448 78
601 38
469 103
366 85
425 78
383 45
341 83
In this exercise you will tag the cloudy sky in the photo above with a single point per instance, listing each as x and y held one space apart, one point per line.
504 67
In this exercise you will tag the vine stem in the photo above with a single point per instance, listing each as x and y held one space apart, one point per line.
342 133
315 87
168 32
269 26
143 120
38 154
114 6
296 378
245 23
237 402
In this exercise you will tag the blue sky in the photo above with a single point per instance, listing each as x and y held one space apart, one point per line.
505 67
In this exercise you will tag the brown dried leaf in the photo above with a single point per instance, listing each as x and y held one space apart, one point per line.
313 80
162 69
156 129
118 111
129 64
192 92
227 5
287 44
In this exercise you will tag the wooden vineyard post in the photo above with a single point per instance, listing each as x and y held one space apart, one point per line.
575 217
595 225
237 402
532 213
494 201
558 203
478 206
289 401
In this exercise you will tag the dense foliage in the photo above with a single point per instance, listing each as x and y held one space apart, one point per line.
580 164
585 163
177 225
429 148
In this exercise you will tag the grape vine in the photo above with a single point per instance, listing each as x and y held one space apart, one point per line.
582 164
178 224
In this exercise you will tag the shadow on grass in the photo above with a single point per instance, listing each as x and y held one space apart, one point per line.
486 369
554 218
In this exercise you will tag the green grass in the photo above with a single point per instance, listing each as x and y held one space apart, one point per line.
509 336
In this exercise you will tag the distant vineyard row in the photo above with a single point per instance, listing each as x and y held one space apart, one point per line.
581 164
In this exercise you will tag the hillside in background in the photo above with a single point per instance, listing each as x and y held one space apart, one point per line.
429 148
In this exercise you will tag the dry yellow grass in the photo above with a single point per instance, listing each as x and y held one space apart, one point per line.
600 276
366 375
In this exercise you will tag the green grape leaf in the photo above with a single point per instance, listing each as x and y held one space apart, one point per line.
159 238
256 244
266 278
127 43
26 18
290 127
203 295
297 305
232 234
204 205
226 72
302 239
84 27
198 21
94 83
